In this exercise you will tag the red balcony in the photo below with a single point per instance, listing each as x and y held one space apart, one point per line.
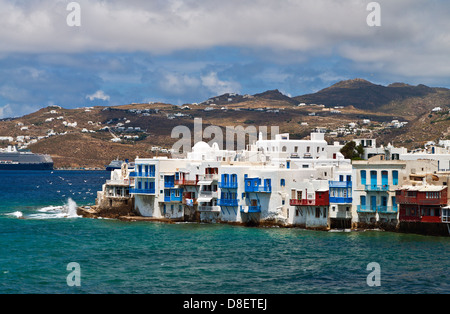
294 202
186 182
422 197
322 199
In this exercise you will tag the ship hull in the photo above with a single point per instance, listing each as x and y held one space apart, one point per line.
37 166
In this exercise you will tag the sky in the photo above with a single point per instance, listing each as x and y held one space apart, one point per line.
187 51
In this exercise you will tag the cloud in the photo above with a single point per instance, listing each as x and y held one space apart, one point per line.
98 95
283 31
180 51
217 86
5 111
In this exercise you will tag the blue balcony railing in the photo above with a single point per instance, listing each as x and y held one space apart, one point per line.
169 199
169 184
366 209
260 188
142 175
341 200
387 209
374 187
228 185
250 209
227 202
142 191
340 184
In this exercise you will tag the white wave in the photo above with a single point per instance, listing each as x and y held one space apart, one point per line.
50 209
68 210
16 214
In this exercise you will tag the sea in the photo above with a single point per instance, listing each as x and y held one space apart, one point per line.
41 238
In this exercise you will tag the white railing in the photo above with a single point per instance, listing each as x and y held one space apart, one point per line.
209 208
213 194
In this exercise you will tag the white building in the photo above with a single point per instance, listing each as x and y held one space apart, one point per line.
277 181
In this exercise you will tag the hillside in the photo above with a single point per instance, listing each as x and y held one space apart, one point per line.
92 137
397 98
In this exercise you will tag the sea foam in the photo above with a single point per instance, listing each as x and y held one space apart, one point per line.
68 210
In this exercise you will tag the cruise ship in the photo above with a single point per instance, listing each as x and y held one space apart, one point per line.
11 159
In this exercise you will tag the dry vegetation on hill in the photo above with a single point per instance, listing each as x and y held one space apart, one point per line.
88 144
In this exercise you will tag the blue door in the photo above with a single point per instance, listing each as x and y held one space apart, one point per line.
384 178
373 203
373 179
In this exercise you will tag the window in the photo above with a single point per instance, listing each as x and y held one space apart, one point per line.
282 182
363 200
384 178
373 178
363 177
288 164
317 212
395 177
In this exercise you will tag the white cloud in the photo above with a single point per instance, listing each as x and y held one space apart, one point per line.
98 95
413 36
5 111
217 86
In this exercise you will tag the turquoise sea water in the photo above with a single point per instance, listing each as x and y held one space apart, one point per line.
141 257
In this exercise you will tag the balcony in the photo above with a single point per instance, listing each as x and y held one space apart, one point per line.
366 209
210 209
258 189
186 182
208 194
142 174
169 184
309 202
376 188
340 184
250 209
341 200
142 191
228 185
209 177
387 209
404 199
228 202
173 199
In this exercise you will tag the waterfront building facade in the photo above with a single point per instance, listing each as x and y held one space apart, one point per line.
301 183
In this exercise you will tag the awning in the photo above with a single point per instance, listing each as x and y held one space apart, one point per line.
205 182
204 199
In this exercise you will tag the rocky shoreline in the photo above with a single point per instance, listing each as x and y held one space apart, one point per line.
125 214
